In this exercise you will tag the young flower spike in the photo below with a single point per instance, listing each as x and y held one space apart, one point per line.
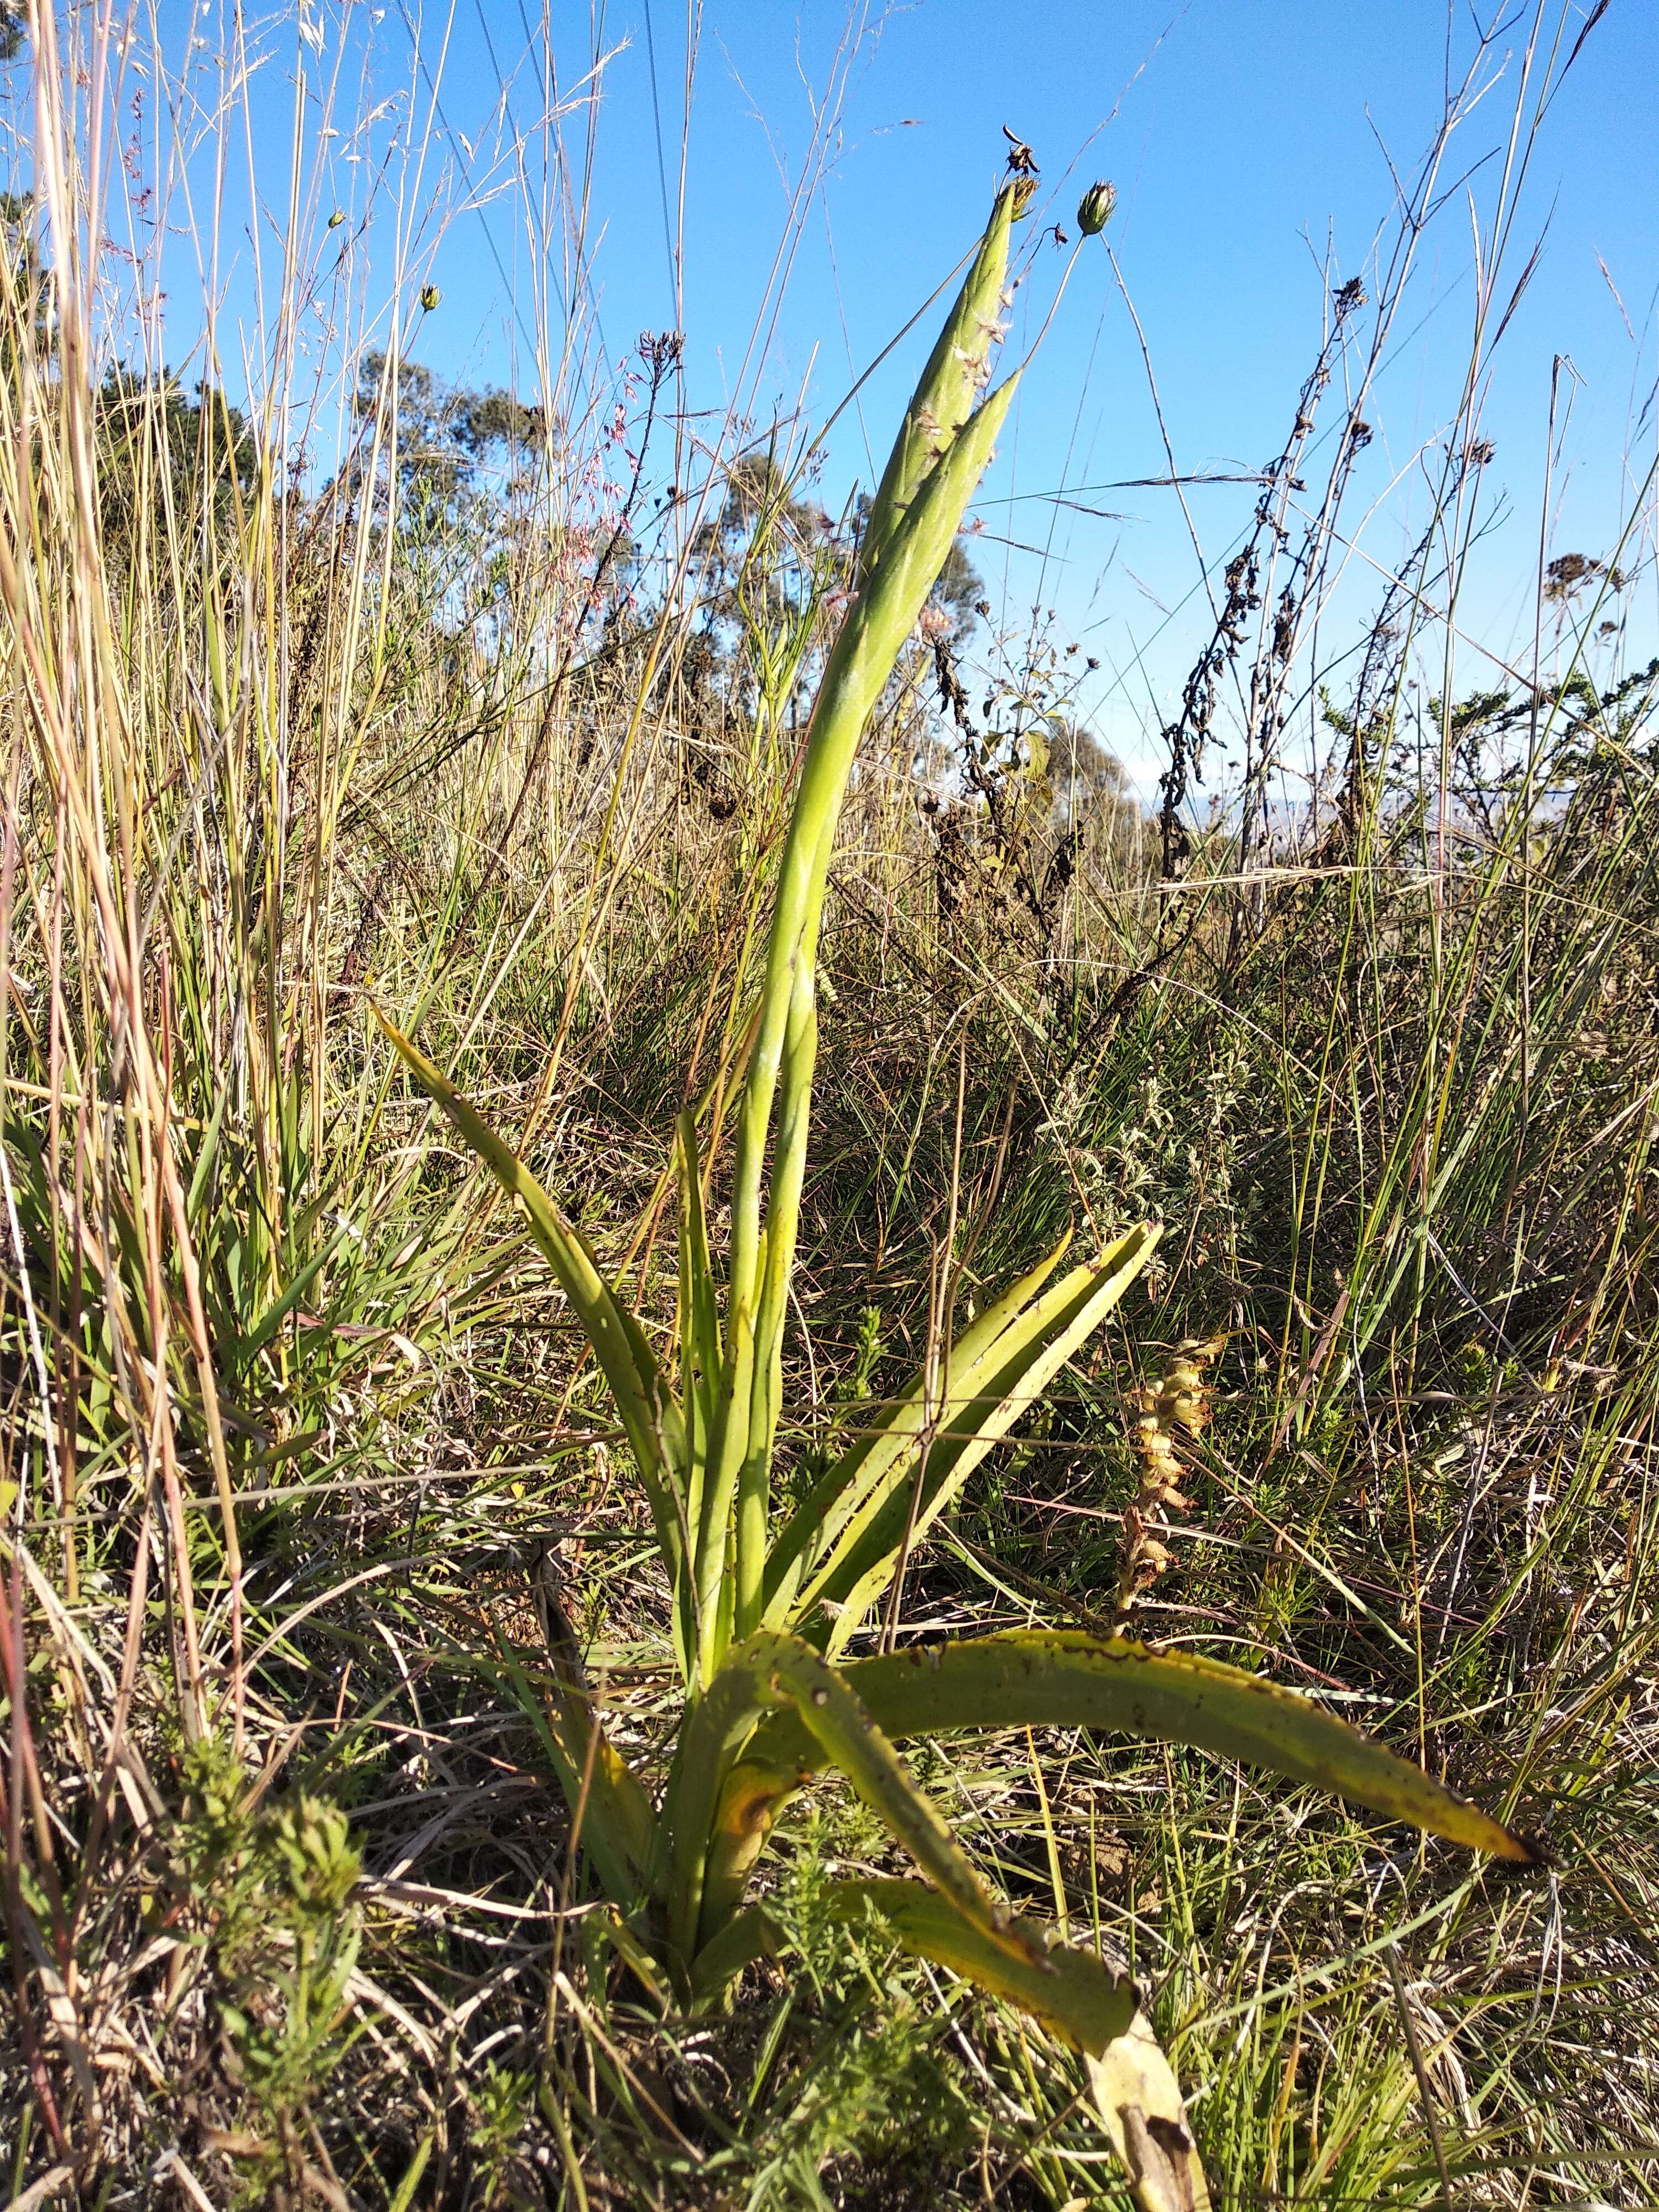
1094 209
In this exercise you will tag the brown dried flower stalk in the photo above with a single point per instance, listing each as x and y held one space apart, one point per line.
1178 1405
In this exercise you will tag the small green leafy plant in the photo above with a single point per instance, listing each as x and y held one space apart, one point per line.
262 1896
766 1608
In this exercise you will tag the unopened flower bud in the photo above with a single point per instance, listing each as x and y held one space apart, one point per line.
430 296
1095 209
1024 191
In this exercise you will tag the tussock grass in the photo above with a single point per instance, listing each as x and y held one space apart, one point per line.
307 1485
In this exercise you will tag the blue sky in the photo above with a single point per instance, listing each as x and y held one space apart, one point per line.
1248 140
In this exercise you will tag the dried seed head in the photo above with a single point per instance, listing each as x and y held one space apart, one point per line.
1094 209
1177 1404
1021 160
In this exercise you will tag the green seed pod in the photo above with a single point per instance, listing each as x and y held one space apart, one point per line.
430 296
337 219
1095 209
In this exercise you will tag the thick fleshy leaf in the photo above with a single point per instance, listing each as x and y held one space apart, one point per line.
748 1806
1063 1679
709 1781
714 1730
702 1367
752 1934
618 1827
783 1220
699 1317
1139 2101
860 665
1075 1994
853 1742
1081 2001
949 383
934 467
885 1432
712 1537
981 1404
780 1064
647 1405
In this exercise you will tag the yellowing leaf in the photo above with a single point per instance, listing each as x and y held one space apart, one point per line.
1063 1679
1080 1999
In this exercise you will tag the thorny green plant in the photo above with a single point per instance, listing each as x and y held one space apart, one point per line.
765 1609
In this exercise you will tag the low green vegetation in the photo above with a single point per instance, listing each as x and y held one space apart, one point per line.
757 1453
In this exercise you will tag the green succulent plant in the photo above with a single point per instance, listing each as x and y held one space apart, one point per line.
766 1609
